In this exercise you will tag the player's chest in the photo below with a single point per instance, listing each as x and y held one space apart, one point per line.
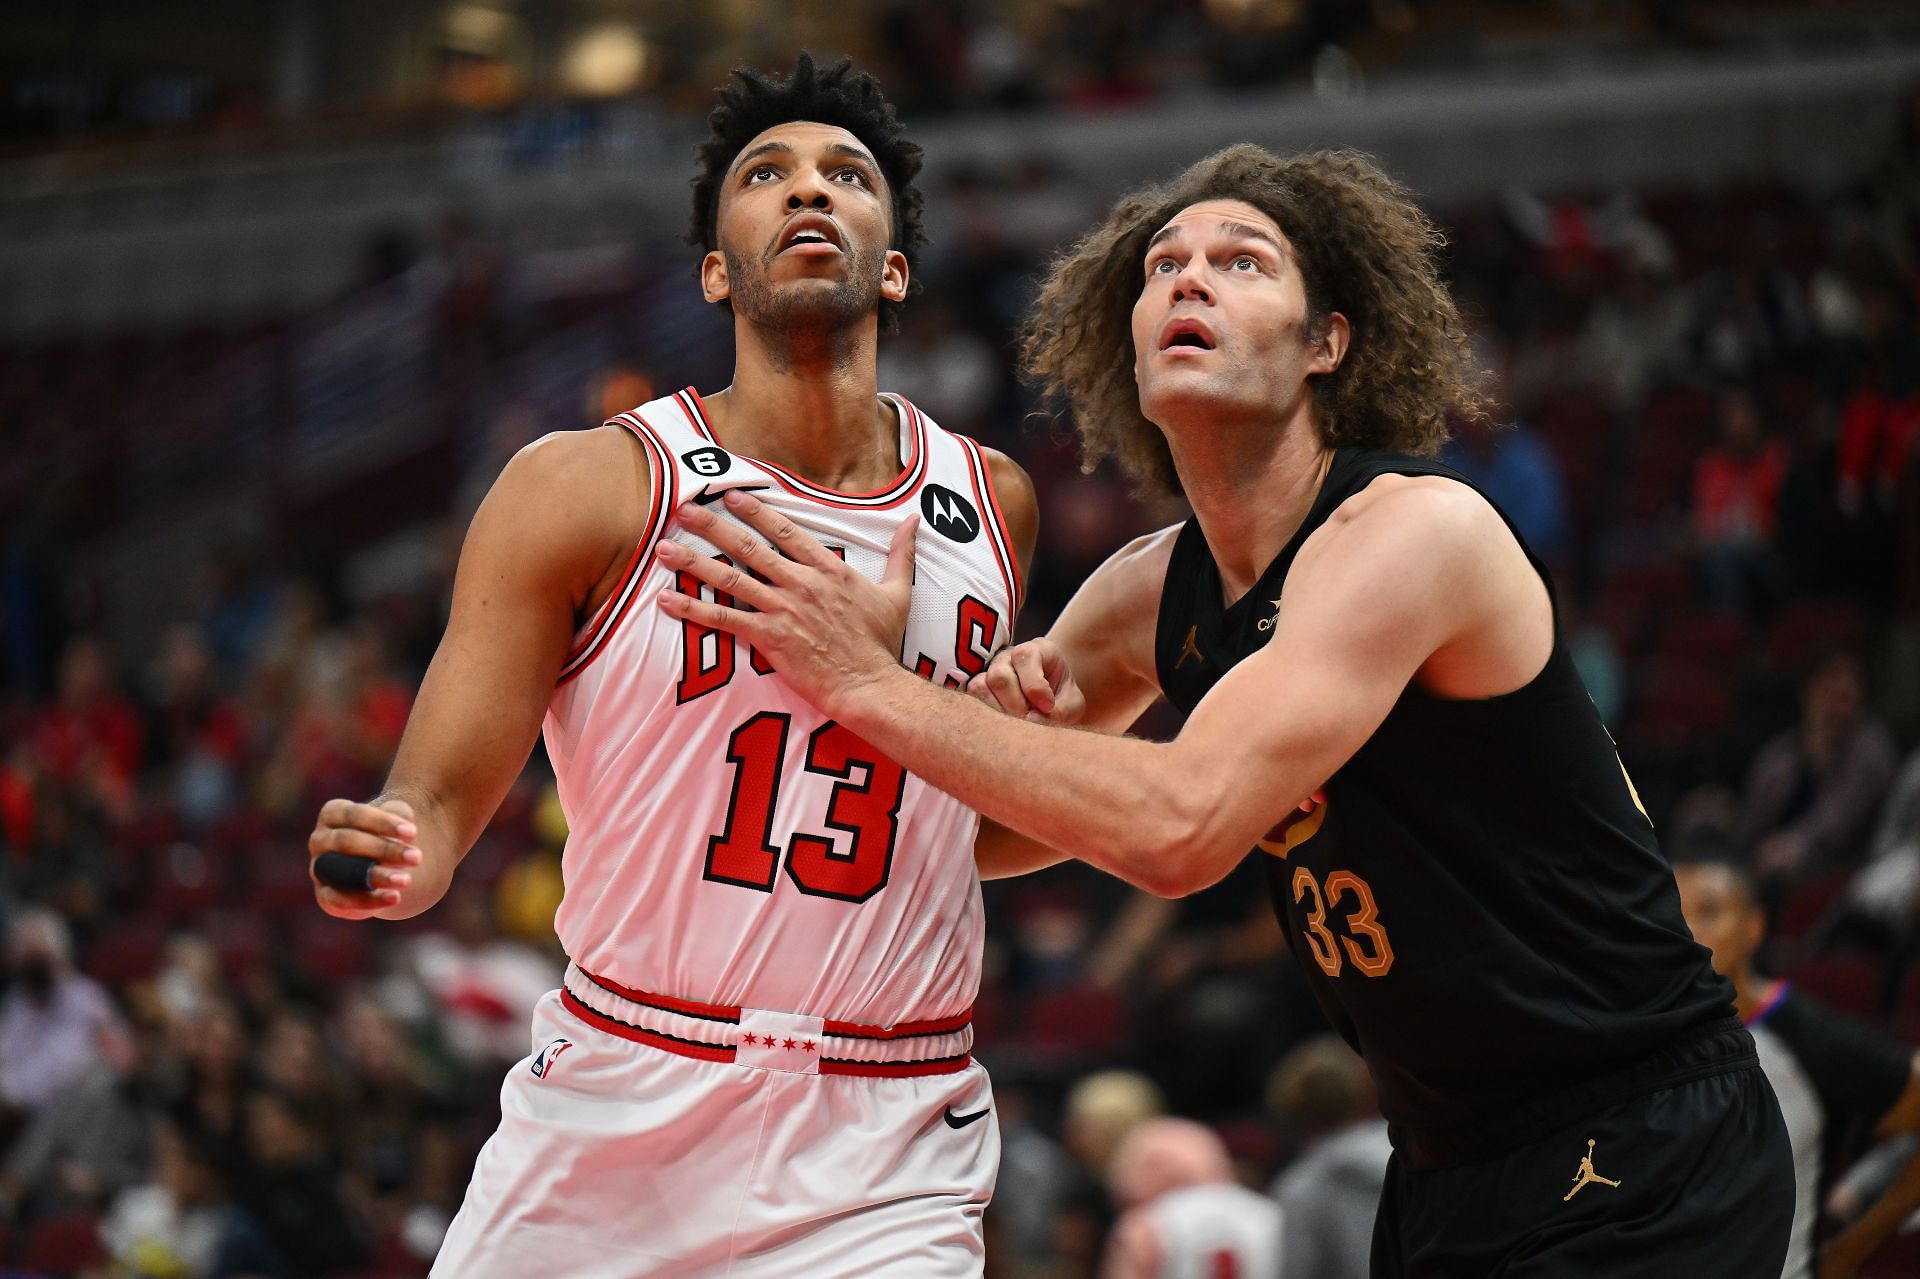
961 609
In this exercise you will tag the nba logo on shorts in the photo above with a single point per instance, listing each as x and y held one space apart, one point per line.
549 1055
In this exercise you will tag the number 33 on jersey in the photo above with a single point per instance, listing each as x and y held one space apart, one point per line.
699 788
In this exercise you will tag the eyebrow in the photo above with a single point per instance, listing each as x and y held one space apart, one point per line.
833 148
1233 231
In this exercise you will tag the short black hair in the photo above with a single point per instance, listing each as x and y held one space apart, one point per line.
751 102
1715 855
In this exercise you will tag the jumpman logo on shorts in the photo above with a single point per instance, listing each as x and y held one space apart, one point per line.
1586 1174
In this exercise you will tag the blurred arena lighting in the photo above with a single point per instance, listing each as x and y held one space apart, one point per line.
481 50
607 61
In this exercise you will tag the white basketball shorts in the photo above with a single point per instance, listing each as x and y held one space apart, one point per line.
617 1158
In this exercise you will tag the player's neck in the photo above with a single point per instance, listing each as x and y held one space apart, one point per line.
812 406
1250 490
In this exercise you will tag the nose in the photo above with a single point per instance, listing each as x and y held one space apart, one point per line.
809 190
1190 283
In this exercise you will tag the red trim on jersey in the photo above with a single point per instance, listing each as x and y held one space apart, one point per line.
696 410
888 495
641 1035
666 1003
666 499
905 1030
990 515
896 1069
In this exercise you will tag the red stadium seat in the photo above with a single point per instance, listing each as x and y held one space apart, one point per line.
334 949
1075 1022
64 1246
1678 703
1807 905
1805 629
128 952
1717 640
1848 984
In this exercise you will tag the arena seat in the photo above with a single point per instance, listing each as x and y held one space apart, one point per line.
64 1246
1848 984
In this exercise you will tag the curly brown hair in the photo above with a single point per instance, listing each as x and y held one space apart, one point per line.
1364 249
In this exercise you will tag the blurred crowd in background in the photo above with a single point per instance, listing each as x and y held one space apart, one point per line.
1709 425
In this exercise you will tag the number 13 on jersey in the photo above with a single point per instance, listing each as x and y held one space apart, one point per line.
864 804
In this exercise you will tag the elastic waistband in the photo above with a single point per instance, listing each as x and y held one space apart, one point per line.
766 1039
1714 1048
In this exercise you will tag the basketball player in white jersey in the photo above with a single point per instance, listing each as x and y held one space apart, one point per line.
1183 1216
760 1061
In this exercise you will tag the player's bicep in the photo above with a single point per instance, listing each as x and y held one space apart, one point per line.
528 561
1357 622
1106 633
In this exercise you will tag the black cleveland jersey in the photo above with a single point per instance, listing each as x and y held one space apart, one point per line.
1480 905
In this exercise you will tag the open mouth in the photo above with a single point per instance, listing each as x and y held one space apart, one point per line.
809 233
1186 335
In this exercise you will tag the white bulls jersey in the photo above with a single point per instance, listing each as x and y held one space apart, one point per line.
728 844
1220 1231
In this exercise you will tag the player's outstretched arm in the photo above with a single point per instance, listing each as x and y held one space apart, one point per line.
1094 668
556 526
1413 577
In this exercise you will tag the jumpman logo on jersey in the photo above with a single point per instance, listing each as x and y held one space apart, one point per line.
1586 1174
1191 649
1266 623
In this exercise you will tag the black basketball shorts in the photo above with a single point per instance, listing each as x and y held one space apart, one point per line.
1693 1181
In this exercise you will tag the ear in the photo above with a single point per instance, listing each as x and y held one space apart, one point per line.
1331 348
893 276
713 277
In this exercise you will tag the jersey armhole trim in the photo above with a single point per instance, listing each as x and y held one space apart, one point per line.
996 522
666 498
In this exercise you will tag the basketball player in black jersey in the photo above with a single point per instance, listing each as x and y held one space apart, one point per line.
1377 696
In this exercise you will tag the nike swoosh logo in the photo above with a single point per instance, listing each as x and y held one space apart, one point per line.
708 499
961 1121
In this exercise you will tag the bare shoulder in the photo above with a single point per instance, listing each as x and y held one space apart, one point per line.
1430 518
578 478
1128 585
575 501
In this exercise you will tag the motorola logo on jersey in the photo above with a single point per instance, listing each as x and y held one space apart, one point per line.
949 514
709 461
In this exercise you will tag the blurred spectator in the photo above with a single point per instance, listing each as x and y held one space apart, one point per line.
1814 790
1736 499
1036 1176
194 735
483 983
949 371
56 1025
1182 1213
90 738
1836 1080
400 1154
1513 464
1101 1109
83 1147
211 1071
1597 657
292 1191
1322 1098
182 1224
1632 337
